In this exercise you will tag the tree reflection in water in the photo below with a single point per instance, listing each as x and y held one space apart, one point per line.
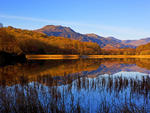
84 85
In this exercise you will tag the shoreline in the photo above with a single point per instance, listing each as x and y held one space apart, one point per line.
46 57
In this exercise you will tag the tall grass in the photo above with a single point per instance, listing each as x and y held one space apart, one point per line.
103 94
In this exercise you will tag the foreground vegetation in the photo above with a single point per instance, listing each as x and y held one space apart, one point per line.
108 93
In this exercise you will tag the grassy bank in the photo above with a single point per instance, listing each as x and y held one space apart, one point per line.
40 57
118 56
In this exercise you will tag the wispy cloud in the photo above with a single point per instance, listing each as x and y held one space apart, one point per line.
29 19
42 20
116 30
47 21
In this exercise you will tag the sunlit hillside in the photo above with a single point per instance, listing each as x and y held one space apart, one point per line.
29 42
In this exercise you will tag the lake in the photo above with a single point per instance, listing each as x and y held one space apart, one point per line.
76 85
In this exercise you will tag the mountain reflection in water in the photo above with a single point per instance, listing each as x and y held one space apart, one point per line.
83 85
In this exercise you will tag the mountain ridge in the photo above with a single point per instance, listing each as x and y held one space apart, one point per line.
137 42
67 32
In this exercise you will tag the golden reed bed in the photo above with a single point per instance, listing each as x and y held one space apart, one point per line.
40 57
118 56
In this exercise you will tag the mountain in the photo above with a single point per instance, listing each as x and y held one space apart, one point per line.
18 41
59 31
137 42
1 25
114 39
67 32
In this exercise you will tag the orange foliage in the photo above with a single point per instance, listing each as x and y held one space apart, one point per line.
31 42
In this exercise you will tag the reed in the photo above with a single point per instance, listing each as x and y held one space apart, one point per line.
46 57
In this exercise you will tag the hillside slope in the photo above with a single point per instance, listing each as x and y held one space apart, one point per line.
61 31
19 41
137 42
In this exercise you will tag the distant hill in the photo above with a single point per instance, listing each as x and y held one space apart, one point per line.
114 39
137 42
143 49
59 31
67 32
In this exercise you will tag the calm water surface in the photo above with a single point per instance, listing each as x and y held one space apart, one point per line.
83 85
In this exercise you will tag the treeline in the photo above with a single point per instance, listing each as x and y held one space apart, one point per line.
20 41
124 51
140 50
143 49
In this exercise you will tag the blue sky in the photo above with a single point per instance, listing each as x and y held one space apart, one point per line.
123 19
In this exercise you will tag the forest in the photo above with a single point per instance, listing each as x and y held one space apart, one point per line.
143 49
18 41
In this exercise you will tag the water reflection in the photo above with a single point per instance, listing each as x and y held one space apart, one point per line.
83 85
44 70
